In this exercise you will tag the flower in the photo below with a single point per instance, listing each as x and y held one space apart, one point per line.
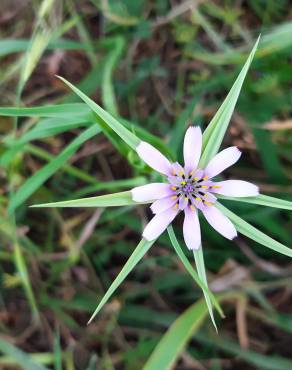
190 189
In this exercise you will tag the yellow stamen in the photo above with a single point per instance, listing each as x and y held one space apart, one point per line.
181 173
196 178
173 188
183 183
205 177
174 197
199 199
191 173
192 207
186 198
216 187
175 206
204 186
208 203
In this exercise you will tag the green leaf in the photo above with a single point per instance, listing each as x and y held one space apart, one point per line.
59 110
110 200
263 200
135 257
175 339
200 264
251 232
214 133
20 358
10 46
190 269
36 180
116 48
126 135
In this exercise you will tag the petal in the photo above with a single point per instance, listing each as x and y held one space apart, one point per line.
222 160
183 202
236 188
151 192
177 169
153 158
192 148
219 222
159 223
163 204
191 229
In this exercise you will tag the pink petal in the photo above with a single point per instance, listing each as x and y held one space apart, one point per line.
154 158
177 169
192 148
222 160
159 223
163 204
236 188
219 222
191 229
151 192
183 202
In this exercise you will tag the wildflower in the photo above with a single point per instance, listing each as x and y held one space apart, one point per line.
190 189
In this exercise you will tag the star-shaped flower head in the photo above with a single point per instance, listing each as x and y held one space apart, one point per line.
190 189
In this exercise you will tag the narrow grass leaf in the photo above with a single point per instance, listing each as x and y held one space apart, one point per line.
126 135
110 200
200 264
135 257
20 358
263 200
36 180
191 270
21 267
214 133
58 110
116 47
253 233
175 339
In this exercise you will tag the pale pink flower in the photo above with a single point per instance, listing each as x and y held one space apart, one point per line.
190 189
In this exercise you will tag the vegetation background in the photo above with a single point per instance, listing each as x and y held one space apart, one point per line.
160 65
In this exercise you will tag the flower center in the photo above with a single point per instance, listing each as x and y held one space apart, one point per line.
193 189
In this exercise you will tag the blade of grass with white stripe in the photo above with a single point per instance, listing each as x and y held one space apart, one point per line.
126 135
214 133
253 233
123 198
190 269
36 180
263 200
141 249
200 265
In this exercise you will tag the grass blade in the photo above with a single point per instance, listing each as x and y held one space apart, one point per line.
263 200
214 133
126 135
21 358
58 111
190 269
110 200
253 233
175 339
135 257
35 181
